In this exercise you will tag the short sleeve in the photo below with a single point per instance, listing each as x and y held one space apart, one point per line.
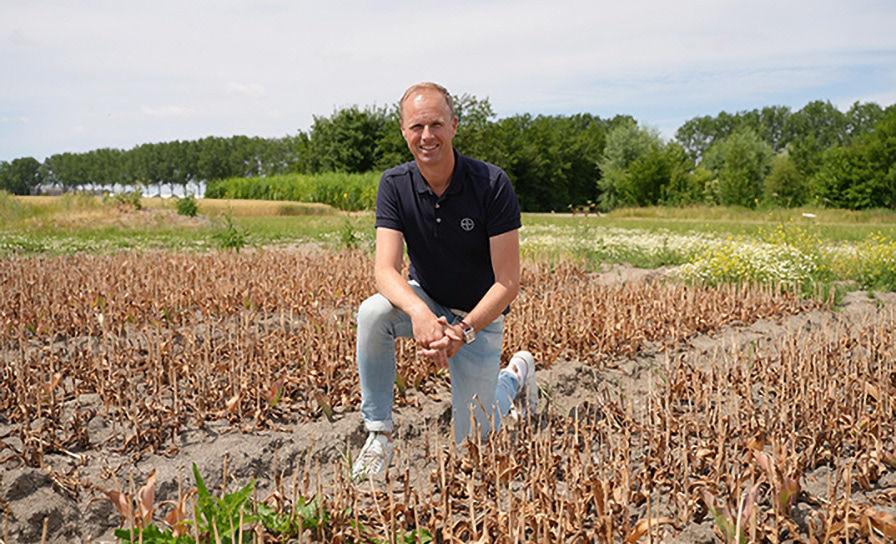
502 208
387 206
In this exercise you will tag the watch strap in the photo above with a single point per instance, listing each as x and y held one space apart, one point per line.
469 332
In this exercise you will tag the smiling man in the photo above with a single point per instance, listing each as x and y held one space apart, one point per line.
460 220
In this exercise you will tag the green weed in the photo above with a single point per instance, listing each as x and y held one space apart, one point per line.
187 206
347 237
230 235
224 517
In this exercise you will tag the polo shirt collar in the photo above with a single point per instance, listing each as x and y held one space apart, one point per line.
457 177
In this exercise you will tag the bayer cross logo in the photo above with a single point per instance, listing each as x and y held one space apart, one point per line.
467 224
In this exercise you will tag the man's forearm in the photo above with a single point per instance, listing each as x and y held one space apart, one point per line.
391 284
490 306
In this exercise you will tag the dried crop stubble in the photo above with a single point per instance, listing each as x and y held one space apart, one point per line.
730 440
52 297
168 339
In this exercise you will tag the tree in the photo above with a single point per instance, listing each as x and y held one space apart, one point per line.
474 118
687 185
20 176
785 185
861 174
773 126
633 167
391 148
696 135
741 161
347 140
5 178
861 118
812 130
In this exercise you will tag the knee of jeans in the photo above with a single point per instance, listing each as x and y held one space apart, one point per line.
374 310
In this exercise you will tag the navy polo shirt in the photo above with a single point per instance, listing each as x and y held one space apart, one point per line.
447 237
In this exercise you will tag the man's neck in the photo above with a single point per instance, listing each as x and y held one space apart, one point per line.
439 177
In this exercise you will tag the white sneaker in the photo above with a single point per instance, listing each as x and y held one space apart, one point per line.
522 365
373 458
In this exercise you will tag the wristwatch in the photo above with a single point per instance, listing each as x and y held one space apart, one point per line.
469 332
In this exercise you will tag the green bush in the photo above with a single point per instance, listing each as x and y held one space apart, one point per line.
686 188
230 236
187 206
343 191
741 161
785 185
863 174
639 169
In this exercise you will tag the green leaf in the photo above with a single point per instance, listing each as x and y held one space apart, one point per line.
313 514
276 522
421 535
153 535
204 500
229 508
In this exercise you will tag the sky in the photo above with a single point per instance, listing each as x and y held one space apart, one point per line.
80 75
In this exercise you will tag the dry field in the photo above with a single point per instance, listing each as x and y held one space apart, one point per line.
669 412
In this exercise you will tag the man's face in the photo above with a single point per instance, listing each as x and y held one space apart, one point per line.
428 127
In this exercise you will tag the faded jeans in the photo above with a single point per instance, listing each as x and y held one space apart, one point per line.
473 369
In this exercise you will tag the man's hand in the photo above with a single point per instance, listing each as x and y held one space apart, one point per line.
427 328
450 343
438 356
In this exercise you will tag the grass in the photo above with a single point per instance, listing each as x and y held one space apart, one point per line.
832 225
76 223
717 244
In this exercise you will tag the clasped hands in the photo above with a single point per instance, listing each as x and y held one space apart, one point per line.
437 340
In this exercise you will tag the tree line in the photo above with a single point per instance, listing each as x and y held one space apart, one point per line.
772 155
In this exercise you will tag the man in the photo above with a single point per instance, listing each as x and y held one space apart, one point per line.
460 219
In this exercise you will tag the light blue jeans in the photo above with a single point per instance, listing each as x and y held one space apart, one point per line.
475 379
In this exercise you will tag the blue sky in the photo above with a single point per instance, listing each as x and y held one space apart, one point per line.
79 75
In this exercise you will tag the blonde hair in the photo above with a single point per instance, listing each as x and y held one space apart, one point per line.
427 85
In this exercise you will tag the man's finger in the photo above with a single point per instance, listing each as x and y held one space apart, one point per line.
452 333
441 343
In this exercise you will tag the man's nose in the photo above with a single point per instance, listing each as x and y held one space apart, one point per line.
427 133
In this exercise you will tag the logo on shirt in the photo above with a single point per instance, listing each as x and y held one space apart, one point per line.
467 224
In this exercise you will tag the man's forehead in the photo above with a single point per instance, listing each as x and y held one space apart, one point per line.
427 101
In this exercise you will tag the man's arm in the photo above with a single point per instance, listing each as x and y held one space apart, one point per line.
390 283
505 255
